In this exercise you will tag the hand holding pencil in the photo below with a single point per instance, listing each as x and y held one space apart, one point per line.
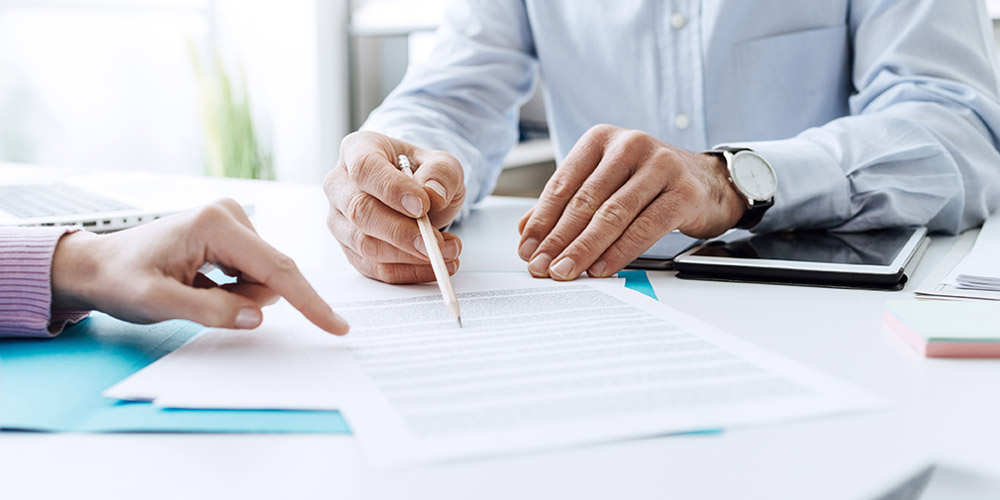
434 253
373 206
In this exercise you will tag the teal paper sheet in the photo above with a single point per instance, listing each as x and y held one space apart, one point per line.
55 385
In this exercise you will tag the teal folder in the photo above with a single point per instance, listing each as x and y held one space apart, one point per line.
55 385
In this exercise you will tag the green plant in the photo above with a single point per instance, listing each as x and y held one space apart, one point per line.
232 145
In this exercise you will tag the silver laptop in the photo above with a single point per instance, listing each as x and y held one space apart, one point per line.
97 201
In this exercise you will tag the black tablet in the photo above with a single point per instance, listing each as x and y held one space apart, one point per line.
874 259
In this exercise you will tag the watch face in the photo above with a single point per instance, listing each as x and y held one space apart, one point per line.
753 176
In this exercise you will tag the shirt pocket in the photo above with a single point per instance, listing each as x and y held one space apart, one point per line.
793 81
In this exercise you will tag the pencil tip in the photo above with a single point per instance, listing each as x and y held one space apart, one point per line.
459 321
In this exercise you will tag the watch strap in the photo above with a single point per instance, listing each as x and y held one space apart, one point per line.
754 214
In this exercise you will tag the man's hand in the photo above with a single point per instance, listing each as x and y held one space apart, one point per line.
373 206
150 273
617 193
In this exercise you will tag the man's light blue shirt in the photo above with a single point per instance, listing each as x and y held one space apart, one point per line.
874 113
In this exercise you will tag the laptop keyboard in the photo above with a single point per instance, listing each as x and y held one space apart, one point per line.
54 200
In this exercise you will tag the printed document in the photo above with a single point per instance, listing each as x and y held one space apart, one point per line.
541 364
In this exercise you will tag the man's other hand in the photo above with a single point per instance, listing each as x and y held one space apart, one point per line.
617 193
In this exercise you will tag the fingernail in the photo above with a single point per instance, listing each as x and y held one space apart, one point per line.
539 266
563 268
412 205
248 318
437 187
527 248
597 270
418 243
341 323
450 250
452 267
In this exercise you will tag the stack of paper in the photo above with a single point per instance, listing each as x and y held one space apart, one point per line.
970 270
981 269
538 364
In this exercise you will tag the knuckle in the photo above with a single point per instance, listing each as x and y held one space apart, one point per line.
615 214
665 160
228 204
615 258
366 246
601 130
560 187
633 140
390 273
644 229
364 165
359 206
210 215
400 235
553 244
585 248
584 203
332 221
284 264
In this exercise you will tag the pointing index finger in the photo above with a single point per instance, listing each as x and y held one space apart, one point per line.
238 247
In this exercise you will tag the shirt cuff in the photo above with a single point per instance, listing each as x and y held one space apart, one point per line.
813 190
26 283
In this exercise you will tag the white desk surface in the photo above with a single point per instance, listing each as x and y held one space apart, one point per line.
945 411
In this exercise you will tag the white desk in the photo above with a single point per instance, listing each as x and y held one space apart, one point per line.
945 411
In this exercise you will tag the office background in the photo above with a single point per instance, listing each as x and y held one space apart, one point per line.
186 85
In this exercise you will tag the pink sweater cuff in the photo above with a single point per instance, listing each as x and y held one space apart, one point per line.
26 283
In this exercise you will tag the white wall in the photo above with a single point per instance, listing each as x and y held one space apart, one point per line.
110 84
87 87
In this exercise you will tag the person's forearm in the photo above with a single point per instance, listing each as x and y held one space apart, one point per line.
74 266
25 283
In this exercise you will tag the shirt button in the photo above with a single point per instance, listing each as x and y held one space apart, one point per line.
682 121
678 21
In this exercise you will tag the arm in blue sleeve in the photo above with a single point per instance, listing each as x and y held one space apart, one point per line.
465 99
920 145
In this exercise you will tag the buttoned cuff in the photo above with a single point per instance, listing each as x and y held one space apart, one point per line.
813 190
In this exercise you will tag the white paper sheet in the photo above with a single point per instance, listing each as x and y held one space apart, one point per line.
942 282
542 364
981 269
263 368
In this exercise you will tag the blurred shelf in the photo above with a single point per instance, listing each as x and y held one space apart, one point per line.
389 18
530 153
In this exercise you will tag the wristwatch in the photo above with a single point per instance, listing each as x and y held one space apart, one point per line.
753 178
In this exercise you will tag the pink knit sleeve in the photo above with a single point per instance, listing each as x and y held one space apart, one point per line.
26 283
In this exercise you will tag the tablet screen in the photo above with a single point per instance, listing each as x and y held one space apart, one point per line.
877 248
